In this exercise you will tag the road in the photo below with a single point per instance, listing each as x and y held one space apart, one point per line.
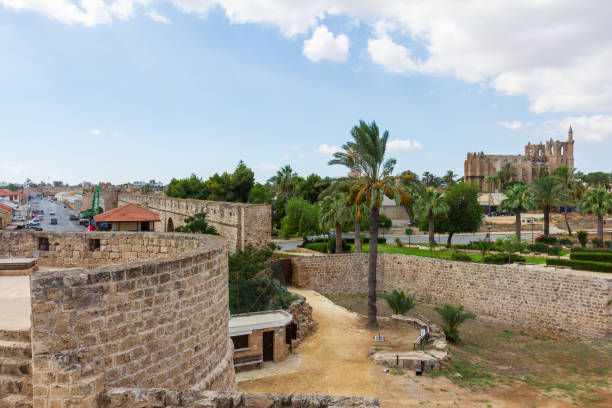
62 214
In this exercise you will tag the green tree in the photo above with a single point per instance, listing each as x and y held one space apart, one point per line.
597 201
220 187
399 302
571 188
359 213
197 224
242 181
334 212
366 153
506 174
302 218
519 198
192 187
464 213
449 178
431 204
599 178
259 194
284 181
311 188
453 316
546 196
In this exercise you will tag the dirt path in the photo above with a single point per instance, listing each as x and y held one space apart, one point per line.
334 361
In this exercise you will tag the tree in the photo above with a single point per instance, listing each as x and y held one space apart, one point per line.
449 178
334 212
572 189
259 194
197 224
506 174
597 201
519 198
546 197
492 182
399 302
453 316
430 205
241 182
311 188
366 153
599 178
192 187
358 212
284 181
464 213
302 218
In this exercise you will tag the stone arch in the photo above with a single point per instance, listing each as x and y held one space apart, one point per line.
562 150
170 225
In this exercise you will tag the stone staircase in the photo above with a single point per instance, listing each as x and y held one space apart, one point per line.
15 369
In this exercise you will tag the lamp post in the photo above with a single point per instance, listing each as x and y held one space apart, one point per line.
488 237
532 222
559 248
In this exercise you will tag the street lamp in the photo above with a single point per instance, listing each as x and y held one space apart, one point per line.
488 237
559 248
532 223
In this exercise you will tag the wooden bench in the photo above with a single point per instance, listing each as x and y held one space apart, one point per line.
248 360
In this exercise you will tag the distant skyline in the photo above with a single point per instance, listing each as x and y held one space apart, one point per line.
127 90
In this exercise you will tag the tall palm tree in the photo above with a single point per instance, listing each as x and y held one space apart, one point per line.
357 212
597 201
572 189
519 198
430 204
506 174
427 178
546 196
284 181
366 152
449 178
492 182
334 213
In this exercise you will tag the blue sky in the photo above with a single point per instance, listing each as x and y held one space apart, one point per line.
121 97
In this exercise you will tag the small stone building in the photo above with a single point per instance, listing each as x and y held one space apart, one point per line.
129 217
261 336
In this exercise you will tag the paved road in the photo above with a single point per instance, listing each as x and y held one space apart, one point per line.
62 214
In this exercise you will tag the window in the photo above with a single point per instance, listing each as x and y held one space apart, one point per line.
144 226
43 244
241 342
94 244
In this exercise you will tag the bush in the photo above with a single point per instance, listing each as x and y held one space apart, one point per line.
317 246
582 238
398 302
552 240
581 265
352 240
381 240
601 250
384 221
542 248
461 256
500 259
453 316
331 246
592 256
597 242
398 243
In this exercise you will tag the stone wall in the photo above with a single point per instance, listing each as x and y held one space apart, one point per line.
575 301
160 398
302 316
158 322
241 224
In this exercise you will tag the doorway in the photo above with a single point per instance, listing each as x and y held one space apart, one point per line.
268 346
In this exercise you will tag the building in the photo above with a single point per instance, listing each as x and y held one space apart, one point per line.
5 215
129 217
12 196
261 336
549 156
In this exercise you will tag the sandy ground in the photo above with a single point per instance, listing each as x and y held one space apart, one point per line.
15 307
334 361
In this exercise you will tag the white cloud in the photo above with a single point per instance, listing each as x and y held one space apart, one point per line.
323 45
95 132
88 12
403 145
155 16
393 57
514 125
594 128
327 149
266 167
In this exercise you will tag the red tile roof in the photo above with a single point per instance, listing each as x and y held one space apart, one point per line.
6 207
7 192
127 213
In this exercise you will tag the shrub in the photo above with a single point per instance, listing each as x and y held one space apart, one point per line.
581 265
317 246
597 242
398 302
582 238
352 240
500 259
599 250
547 240
592 256
331 246
453 316
461 256
398 243
540 247
384 221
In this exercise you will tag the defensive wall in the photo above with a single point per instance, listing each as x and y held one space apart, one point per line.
575 301
241 224
119 309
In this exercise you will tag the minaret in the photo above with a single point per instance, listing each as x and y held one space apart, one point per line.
570 134
569 150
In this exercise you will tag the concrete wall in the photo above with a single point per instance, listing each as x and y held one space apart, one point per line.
242 224
575 301
158 322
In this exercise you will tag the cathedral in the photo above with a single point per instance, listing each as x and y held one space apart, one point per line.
549 156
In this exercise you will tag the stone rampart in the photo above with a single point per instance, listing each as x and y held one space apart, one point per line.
241 224
575 301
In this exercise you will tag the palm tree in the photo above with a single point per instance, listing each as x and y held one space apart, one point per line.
597 201
506 174
518 199
453 316
546 196
449 178
492 182
357 212
399 302
284 181
572 188
366 153
334 213
427 178
431 204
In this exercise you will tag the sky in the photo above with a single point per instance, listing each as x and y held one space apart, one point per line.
127 90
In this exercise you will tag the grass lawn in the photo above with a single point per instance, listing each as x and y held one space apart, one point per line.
494 356
476 257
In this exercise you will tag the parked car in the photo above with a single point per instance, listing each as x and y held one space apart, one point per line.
53 221
74 217
51 213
